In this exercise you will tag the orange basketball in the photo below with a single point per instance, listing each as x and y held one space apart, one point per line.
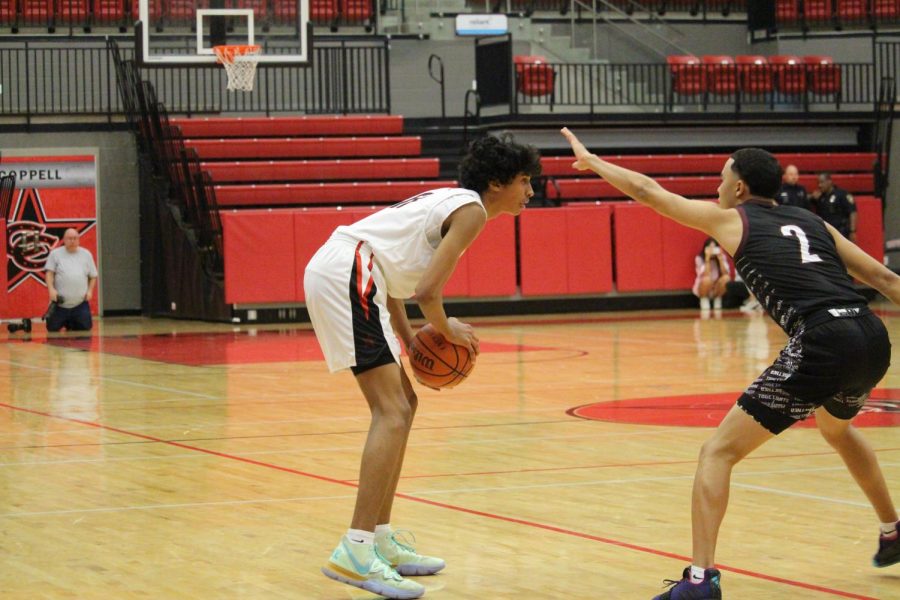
436 362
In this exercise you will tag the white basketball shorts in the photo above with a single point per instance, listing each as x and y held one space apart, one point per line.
346 297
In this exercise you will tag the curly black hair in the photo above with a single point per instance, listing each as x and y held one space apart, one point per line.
759 170
497 159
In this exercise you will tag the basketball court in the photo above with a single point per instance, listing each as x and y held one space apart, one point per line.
187 460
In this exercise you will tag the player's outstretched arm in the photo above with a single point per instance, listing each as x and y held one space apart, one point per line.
705 216
865 268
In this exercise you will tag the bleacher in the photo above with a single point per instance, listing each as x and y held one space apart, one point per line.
88 14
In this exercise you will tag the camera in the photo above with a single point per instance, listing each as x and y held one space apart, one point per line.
25 326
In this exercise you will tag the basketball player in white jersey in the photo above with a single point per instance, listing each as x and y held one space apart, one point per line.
355 287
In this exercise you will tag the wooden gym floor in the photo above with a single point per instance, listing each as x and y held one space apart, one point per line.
162 459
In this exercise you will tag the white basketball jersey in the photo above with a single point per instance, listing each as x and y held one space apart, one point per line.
404 236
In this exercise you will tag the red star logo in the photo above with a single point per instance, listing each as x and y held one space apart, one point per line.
30 236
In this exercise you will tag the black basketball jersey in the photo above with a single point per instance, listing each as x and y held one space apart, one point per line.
790 262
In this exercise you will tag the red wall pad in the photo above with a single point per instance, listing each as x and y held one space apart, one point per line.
834 162
855 183
565 250
312 228
869 227
259 256
680 245
488 268
638 248
290 126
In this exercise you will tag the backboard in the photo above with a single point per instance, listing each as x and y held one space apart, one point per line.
183 32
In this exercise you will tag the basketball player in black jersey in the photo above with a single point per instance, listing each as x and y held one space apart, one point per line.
797 266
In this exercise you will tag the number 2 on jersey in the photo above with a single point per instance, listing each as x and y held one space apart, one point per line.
805 255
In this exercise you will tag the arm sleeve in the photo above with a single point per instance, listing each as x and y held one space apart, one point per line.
51 263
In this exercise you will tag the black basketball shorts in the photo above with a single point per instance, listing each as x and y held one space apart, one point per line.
834 364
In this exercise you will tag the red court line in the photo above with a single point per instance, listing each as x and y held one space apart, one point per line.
616 465
498 517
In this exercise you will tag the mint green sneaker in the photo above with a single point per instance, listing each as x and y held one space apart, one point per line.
397 549
362 566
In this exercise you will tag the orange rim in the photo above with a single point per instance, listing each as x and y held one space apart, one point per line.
227 53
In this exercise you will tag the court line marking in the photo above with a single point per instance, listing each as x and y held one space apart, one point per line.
426 501
114 380
769 490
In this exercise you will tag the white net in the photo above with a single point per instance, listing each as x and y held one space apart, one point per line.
240 65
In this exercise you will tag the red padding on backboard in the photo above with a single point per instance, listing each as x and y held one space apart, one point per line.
638 248
259 258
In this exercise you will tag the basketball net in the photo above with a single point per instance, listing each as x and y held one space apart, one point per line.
240 65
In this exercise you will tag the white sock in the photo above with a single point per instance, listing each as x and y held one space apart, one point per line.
697 574
704 303
888 529
383 529
717 303
360 536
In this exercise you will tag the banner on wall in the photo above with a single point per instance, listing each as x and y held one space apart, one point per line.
53 193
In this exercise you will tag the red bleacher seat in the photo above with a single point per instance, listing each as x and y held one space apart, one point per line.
721 75
7 11
72 11
306 147
755 74
284 11
533 76
688 76
37 11
816 11
156 8
323 170
109 10
852 10
322 11
787 11
824 75
222 127
298 194
183 11
789 72
356 11
885 9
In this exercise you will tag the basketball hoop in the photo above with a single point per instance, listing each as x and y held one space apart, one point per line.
240 65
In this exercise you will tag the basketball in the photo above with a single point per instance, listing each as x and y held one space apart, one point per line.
436 362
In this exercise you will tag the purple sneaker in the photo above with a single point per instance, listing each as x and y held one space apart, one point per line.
888 551
708 589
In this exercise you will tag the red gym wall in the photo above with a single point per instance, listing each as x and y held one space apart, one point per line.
573 249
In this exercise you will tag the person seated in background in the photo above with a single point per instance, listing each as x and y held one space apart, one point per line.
713 275
791 192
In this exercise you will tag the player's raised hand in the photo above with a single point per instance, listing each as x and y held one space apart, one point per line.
581 153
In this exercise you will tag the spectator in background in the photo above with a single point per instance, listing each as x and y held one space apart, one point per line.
791 192
71 277
835 206
713 275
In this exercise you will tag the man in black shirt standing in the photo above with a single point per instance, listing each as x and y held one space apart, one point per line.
791 192
797 267
835 206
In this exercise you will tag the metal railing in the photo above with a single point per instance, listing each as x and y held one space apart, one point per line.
591 88
345 75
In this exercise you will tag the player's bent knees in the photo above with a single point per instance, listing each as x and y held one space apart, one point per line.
715 449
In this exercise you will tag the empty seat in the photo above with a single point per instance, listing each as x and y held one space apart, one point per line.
306 148
7 12
721 76
885 10
533 76
72 11
37 12
787 11
155 8
356 11
824 75
323 11
755 74
688 76
817 12
317 125
852 10
789 74
109 10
